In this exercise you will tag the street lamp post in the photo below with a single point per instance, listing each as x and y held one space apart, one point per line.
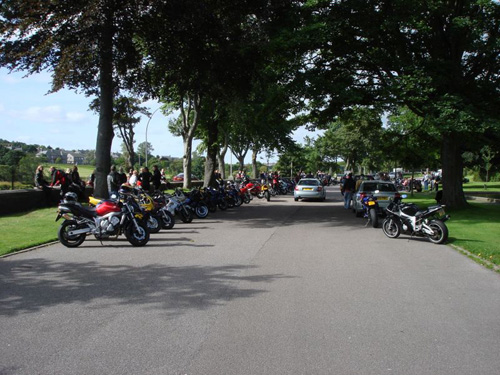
147 125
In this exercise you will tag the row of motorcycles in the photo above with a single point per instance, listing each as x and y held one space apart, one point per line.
136 214
407 218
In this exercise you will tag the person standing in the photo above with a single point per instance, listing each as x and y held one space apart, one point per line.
122 176
156 178
348 189
113 180
145 178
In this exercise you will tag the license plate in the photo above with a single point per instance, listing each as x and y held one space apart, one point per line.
382 198
307 189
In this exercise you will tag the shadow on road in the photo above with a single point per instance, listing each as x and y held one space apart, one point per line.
28 286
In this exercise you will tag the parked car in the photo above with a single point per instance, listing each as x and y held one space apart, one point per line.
384 191
309 188
180 177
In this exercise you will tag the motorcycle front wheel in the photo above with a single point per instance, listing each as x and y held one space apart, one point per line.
137 236
391 228
154 224
268 195
440 232
186 215
222 205
201 211
65 238
167 219
238 201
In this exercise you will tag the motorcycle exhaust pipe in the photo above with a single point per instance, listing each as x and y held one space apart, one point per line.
79 231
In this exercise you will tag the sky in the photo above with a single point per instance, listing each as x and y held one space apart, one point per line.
62 119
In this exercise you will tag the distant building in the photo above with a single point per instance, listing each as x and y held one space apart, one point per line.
53 155
75 158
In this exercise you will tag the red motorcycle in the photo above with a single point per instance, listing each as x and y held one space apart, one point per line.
109 218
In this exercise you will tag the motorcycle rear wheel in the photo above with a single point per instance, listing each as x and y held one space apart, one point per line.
137 236
67 240
391 228
374 218
440 232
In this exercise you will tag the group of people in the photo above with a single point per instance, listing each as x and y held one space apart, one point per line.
145 179
68 180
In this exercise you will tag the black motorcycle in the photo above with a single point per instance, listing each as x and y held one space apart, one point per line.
407 218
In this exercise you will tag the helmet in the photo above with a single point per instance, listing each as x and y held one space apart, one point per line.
70 197
125 189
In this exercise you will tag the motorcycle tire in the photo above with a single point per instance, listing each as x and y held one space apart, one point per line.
186 216
246 199
201 211
230 202
374 218
212 206
168 220
440 232
70 241
154 223
137 236
238 201
222 205
268 195
391 228
260 195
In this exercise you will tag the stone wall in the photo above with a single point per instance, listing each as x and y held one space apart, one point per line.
15 201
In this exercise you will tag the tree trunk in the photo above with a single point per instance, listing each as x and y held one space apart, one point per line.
452 179
221 156
241 160
186 162
254 163
105 129
189 128
212 152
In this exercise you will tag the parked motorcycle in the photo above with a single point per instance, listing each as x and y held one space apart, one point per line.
371 209
407 218
109 218
195 200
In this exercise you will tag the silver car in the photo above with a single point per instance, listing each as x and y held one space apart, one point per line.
309 188
385 191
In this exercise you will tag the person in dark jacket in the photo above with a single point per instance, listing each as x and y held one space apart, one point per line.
145 178
113 180
42 184
348 188
156 178
59 178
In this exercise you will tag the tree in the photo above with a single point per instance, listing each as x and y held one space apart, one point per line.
125 110
487 155
86 45
439 58
145 148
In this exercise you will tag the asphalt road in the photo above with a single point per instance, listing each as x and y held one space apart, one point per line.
278 287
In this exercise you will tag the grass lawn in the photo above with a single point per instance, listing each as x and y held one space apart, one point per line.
24 230
475 229
480 186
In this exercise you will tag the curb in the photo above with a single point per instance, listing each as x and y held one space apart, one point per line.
16 252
